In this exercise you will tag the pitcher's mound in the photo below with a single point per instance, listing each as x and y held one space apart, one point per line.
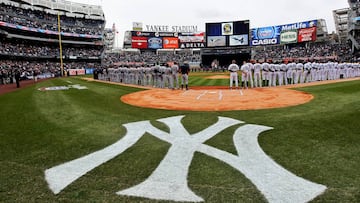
217 99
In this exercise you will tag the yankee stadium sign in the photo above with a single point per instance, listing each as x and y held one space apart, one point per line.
171 28
169 181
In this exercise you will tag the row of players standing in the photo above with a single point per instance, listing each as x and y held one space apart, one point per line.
160 76
268 74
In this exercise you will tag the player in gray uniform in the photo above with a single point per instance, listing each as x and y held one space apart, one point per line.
148 76
175 75
154 70
141 75
234 68
162 76
257 75
168 77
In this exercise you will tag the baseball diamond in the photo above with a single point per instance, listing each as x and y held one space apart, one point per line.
219 98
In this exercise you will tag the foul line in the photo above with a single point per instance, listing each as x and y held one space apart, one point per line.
202 94
220 95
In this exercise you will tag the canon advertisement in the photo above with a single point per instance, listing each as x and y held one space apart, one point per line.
227 34
283 34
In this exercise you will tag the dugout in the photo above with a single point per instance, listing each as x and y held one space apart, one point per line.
224 56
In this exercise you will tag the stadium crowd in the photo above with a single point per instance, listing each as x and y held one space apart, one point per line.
46 21
41 69
38 50
322 51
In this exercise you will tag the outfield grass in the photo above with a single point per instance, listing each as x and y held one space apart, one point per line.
319 141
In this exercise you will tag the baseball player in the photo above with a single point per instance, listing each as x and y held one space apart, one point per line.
234 68
184 70
257 75
250 75
264 73
245 74
168 77
175 76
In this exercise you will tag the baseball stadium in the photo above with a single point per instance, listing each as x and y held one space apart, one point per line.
81 120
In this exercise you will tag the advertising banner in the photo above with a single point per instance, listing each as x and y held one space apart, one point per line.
139 42
155 43
191 45
289 36
76 71
307 34
170 43
189 37
299 25
154 34
271 35
265 36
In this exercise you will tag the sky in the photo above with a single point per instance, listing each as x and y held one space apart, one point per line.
261 13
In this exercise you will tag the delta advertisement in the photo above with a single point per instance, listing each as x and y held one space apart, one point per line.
166 40
283 34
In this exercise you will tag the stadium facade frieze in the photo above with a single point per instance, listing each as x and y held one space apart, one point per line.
171 28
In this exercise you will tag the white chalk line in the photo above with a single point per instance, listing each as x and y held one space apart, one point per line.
220 95
202 94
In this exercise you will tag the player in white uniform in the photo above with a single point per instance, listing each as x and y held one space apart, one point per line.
272 75
265 72
306 76
251 70
245 74
233 68
257 75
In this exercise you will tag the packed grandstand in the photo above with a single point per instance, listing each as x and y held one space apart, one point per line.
30 42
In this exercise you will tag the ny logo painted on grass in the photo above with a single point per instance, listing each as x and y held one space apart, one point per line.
169 180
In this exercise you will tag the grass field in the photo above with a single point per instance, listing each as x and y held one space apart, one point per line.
318 141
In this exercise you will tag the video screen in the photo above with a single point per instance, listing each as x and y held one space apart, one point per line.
226 34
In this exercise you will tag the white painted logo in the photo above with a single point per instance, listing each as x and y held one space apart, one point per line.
79 87
169 180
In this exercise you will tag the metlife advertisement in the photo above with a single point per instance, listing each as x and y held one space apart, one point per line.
271 35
